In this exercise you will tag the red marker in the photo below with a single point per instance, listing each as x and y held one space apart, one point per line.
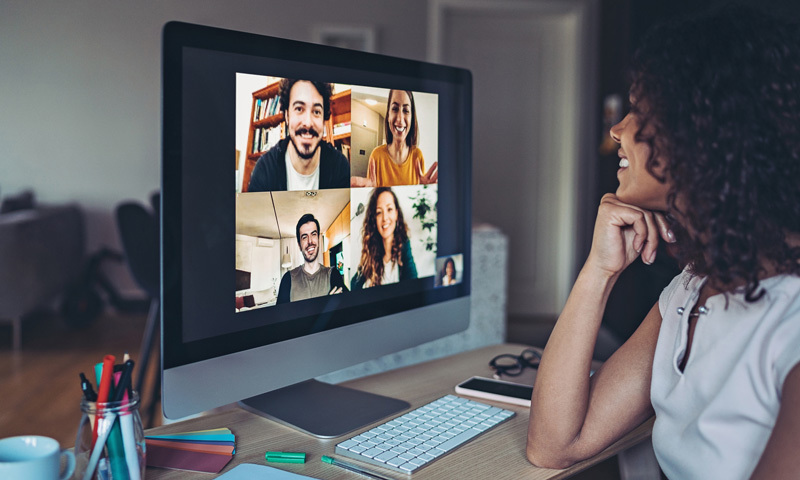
105 389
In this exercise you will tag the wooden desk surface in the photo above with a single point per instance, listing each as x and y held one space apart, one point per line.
497 454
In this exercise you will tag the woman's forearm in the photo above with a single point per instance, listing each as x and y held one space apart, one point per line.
561 392
573 416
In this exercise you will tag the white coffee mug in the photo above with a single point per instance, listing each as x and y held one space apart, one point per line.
32 457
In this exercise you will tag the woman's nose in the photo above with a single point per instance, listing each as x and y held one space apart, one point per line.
616 131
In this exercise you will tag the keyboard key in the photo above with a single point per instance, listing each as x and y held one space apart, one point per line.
459 439
385 456
348 444
426 457
430 444
371 452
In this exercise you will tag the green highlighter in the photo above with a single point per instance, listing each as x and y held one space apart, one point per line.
285 457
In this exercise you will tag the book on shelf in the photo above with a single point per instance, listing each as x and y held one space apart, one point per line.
341 128
265 138
274 137
266 107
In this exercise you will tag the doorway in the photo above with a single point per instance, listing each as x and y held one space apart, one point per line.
533 67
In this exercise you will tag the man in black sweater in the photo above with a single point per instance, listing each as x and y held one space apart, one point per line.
302 161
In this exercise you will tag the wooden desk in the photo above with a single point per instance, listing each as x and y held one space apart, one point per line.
497 454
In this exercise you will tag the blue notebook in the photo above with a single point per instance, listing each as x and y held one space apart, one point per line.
252 471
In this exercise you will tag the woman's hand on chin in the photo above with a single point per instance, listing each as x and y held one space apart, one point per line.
624 232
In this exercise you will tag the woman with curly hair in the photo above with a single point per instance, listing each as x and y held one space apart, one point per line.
710 163
386 250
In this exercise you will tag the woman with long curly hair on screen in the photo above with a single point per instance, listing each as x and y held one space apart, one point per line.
709 162
386 250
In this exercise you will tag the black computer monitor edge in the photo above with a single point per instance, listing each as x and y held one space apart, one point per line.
196 385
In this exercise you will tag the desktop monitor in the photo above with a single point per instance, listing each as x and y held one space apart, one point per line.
314 250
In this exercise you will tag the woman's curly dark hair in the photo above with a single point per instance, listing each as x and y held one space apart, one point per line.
720 96
372 250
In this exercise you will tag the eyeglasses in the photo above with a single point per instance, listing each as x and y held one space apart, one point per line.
513 365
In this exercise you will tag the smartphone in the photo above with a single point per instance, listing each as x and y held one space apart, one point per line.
497 390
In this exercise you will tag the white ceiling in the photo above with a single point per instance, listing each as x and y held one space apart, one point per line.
256 212
380 96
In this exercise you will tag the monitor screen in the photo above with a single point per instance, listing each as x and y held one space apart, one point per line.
340 233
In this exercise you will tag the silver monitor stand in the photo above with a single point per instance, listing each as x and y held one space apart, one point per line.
322 409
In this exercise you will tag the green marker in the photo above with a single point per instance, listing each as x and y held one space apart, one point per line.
285 457
353 468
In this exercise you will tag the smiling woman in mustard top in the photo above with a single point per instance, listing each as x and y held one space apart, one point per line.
399 161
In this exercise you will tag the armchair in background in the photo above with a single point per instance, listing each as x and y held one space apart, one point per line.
42 250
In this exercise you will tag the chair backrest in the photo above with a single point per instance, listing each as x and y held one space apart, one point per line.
138 230
155 203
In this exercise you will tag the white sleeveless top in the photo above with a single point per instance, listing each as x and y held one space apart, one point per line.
713 419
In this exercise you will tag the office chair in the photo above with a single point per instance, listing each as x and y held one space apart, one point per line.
155 204
139 232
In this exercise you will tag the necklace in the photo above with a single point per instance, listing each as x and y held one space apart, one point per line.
701 310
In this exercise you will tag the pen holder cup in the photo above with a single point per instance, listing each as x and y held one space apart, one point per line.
116 451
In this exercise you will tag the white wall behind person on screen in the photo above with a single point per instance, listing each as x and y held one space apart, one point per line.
261 258
367 121
427 105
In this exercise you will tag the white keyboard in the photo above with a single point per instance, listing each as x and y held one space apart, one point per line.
411 441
